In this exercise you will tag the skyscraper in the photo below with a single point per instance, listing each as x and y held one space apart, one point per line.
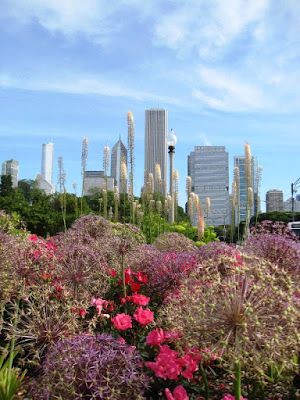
208 169
239 161
118 152
11 167
94 181
156 130
274 200
47 162
46 177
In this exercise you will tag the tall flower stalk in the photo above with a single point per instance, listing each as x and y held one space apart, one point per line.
236 177
257 187
105 168
130 125
124 185
84 154
157 181
75 199
62 190
116 201
176 191
233 203
207 205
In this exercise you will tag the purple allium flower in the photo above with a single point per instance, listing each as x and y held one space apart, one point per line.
174 242
91 367
280 250
278 227
93 225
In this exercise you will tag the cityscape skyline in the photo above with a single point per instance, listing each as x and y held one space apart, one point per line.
226 73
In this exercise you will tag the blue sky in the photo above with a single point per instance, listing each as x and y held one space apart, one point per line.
227 71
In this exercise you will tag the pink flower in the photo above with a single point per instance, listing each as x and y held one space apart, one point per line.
139 299
188 365
122 321
135 287
142 278
33 238
112 272
165 367
82 312
99 304
155 337
179 393
143 317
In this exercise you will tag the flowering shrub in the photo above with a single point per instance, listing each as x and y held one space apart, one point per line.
278 228
93 225
87 367
179 393
249 315
276 248
174 242
167 273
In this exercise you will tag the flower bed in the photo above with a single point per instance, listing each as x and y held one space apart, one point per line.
96 314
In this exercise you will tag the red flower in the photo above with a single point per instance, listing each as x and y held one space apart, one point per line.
112 272
155 337
188 365
179 393
135 287
122 321
33 238
142 278
139 299
82 312
143 317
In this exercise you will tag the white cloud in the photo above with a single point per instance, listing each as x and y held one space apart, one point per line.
221 91
83 85
205 139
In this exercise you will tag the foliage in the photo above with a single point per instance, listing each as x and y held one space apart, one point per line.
10 378
88 366
284 216
174 242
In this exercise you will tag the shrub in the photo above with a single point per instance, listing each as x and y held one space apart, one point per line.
93 225
174 242
91 367
278 227
276 248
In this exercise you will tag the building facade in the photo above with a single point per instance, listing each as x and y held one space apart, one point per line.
239 161
288 205
208 169
47 162
11 167
156 130
119 152
94 181
274 200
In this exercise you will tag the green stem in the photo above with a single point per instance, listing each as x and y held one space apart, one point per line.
123 275
13 341
238 381
205 381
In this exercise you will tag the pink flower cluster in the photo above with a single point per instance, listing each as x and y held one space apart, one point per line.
179 393
228 396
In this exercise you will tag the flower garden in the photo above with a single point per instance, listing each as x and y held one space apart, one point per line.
96 313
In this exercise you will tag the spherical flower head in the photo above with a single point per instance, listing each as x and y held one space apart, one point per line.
122 322
155 337
143 317
179 393
139 299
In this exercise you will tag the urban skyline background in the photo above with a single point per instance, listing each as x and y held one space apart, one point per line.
226 74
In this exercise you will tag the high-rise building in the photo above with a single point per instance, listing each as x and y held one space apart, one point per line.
11 167
156 130
288 205
208 169
118 153
94 181
47 162
239 161
274 200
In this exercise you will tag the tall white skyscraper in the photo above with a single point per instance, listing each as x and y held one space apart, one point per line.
156 131
47 162
11 167
208 169
118 152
